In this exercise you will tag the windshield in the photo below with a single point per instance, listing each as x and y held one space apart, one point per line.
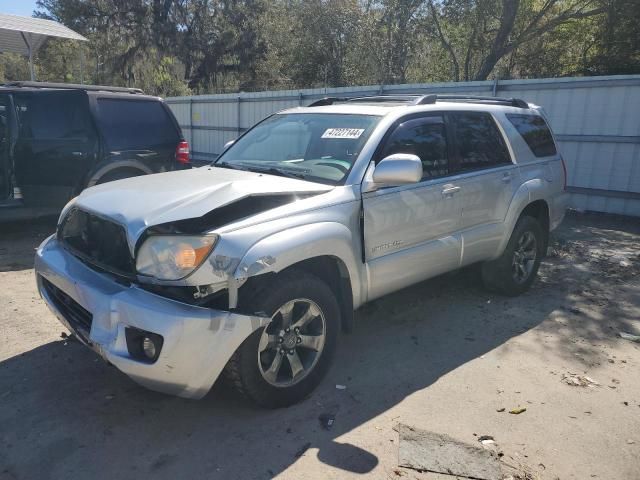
319 147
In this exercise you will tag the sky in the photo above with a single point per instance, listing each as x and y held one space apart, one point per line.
18 7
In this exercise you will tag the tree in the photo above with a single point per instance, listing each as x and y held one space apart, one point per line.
495 28
616 46
393 27
175 47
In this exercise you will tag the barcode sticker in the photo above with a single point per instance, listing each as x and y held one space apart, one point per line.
342 133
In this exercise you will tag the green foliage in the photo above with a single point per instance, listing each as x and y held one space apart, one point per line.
179 47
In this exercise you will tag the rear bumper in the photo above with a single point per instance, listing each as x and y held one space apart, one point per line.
198 342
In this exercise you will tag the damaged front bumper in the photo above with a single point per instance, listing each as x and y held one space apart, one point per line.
197 342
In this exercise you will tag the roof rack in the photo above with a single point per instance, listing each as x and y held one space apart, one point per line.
327 101
428 99
384 98
73 86
511 102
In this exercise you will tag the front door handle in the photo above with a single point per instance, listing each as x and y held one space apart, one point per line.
449 190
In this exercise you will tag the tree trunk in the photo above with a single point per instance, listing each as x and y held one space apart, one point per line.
500 45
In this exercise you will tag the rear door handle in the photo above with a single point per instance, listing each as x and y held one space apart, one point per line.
506 177
449 190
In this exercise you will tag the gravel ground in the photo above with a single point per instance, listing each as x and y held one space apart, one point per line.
443 356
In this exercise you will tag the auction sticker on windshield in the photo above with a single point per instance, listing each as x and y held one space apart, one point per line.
342 133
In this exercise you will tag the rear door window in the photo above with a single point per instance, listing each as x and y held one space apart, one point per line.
53 116
534 130
479 142
135 124
424 137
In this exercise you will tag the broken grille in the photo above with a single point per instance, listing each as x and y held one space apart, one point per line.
97 241
73 312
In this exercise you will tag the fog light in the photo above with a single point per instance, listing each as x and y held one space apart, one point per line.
142 345
149 348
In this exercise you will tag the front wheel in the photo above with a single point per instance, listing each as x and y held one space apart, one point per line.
515 270
282 363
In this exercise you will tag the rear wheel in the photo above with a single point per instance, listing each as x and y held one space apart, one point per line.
282 363
515 270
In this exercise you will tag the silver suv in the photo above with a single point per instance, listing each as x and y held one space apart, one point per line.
254 264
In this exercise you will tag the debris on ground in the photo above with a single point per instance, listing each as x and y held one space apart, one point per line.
500 410
518 411
327 420
427 451
629 336
341 387
486 440
576 380
63 335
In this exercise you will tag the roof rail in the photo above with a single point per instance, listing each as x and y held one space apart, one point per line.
73 86
384 98
372 98
428 99
325 101
511 102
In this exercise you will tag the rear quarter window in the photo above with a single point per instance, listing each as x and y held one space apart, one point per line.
135 124
534 130
478 140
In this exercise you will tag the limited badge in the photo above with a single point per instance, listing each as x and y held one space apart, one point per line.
342 133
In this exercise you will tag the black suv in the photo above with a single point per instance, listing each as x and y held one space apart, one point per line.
57 139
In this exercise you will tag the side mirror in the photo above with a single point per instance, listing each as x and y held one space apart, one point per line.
228 144
397 169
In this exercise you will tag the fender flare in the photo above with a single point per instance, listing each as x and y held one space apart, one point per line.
283 249
528 192
102 170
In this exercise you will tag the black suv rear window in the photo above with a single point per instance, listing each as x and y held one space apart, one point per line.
135 124
535 132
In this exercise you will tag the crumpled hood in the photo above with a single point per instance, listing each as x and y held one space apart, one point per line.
141 202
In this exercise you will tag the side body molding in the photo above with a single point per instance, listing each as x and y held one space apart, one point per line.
288 247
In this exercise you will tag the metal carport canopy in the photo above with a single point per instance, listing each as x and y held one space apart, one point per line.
24 35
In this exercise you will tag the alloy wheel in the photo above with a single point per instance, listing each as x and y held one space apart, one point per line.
524 257
291 344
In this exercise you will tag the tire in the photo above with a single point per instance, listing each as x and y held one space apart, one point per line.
119 174
251 368
515 270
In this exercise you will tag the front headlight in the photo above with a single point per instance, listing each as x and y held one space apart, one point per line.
172 257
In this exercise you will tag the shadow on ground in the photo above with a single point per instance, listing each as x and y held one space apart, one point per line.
65 414
18 241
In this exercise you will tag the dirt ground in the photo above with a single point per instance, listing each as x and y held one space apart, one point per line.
443 356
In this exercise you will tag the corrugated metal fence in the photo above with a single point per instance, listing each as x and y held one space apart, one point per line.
595 119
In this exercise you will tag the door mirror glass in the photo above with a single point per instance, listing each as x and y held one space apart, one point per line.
228 144
397 169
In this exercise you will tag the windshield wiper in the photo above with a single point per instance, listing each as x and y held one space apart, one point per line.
229 165
277 171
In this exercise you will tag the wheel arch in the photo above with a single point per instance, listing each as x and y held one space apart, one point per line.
327 250
539 209
529 200
101 170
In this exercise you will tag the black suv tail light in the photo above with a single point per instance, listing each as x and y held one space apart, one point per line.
182 152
